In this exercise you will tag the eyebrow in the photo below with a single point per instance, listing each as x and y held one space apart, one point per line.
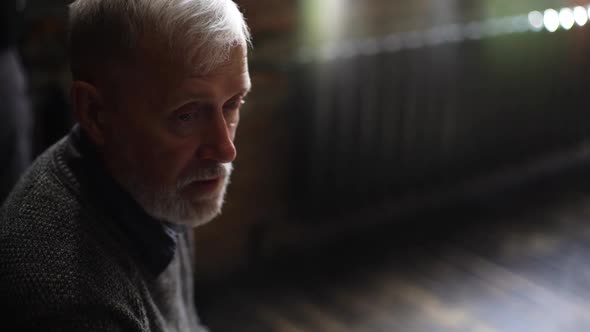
205 97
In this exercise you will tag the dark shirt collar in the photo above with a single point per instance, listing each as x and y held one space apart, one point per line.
152 241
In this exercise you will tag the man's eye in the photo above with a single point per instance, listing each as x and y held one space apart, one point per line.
186 117
183 123
188 113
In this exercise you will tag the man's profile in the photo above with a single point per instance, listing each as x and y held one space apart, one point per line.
96 236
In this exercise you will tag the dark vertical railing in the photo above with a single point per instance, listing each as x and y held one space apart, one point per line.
385 124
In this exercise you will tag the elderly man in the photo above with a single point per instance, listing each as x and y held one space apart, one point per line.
96 236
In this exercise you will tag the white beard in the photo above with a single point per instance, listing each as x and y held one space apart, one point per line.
168 204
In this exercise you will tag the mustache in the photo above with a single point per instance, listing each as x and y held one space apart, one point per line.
210 172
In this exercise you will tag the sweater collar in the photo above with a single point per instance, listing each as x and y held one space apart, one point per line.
152 241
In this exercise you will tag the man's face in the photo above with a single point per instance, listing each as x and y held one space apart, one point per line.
169 138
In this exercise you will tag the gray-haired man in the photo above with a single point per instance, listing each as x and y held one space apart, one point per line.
97 235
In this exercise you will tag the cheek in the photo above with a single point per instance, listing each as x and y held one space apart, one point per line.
168 162
143 144
159 160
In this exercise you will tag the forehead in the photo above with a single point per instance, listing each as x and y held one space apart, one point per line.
164 78
230 74
235 63
228 79
156 56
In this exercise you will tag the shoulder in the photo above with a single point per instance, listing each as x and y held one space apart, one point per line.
54 261
40 218
38 186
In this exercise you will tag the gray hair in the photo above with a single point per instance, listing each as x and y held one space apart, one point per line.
103 32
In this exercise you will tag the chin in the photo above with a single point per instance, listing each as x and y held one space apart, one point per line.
178 207
201 209
190 212
200 212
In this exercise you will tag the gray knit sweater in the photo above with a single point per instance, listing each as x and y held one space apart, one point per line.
78 254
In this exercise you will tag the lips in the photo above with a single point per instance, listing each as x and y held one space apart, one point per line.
204 187
206 183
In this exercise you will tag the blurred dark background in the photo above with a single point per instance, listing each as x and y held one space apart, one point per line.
40 29
366 113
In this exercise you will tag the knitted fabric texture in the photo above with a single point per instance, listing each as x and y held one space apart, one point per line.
66 266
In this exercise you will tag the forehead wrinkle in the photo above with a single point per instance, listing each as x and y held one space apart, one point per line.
237 58
230 76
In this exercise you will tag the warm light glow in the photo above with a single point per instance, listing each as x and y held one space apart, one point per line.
580 15
551 20
318 29
566 18
536 20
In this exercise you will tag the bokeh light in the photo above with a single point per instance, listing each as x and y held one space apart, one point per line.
566 18
580 15
551 20
536 20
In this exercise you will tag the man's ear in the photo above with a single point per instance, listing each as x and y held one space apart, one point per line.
88 106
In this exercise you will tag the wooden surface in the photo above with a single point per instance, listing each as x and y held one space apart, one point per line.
517 262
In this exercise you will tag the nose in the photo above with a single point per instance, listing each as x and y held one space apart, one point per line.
217 140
